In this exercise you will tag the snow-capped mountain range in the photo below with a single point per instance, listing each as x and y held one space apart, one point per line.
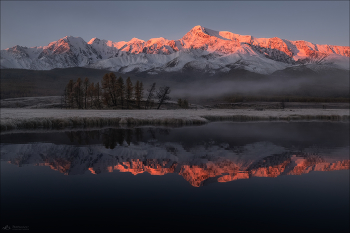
200 49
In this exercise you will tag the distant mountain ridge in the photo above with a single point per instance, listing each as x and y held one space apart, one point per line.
200 49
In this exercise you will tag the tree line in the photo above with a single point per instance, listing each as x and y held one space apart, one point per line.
113 93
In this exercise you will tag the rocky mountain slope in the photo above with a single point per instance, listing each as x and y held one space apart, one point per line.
201 49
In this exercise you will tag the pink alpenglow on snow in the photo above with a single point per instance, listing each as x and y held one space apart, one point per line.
201 48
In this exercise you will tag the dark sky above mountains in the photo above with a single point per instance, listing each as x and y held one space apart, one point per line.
37 23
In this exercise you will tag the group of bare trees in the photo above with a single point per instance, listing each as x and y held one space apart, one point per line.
82 94
112 93
117 94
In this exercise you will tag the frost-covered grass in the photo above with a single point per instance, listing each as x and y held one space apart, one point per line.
32 102
60 118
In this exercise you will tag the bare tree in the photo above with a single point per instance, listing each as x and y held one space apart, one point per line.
120 90
91 92
69 94
179 102
109 86
150 95
163 95
97 90
78 93
85 87
185 103
128 91
138 93
141 91
107 90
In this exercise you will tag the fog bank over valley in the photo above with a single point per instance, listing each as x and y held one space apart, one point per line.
195 86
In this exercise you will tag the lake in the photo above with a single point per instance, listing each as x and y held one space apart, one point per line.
218 177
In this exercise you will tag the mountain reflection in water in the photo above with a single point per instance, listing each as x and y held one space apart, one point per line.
217 152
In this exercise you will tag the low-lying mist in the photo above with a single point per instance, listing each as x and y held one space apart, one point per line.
321 87
197 87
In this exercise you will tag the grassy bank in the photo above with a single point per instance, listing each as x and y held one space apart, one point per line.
61 118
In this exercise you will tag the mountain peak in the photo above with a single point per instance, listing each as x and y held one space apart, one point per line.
71 40
156 40
94 40
198 27
133 40
205 32
71 37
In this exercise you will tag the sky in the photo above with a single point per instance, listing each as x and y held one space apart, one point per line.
37 23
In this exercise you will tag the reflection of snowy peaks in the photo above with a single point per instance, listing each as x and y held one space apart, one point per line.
198 164
200 49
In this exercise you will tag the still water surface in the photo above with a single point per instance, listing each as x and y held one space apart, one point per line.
219 177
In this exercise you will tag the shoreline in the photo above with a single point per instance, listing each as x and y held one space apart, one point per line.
19 118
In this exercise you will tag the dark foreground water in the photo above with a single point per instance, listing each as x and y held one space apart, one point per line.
220 177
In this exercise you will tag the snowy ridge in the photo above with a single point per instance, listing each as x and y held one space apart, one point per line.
200 49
